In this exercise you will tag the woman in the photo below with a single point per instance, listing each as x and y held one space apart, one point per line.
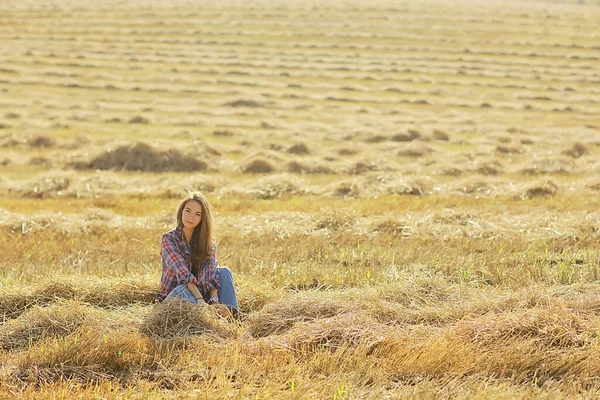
189 258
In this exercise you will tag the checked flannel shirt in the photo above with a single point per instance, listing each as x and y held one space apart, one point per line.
177 265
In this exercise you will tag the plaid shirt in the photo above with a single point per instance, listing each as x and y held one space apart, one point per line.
177 263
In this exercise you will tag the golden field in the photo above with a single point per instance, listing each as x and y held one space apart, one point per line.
407 193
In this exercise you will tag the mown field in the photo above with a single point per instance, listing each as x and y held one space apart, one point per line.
406 191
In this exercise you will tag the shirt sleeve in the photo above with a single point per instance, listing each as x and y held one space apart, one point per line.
211 278
174 261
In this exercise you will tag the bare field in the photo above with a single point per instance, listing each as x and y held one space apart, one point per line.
407 193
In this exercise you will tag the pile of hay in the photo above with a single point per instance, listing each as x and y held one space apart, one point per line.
281 316
548 326
298 148
578 150
100 292
142 157
544 189
335 221
59 319
312 168
47 187
175 318
258 166
348 329
271 187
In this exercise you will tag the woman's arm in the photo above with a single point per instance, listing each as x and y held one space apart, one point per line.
195 292
210 279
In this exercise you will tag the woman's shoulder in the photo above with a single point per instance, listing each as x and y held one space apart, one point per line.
172 235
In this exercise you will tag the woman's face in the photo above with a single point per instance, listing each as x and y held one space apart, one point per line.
192 214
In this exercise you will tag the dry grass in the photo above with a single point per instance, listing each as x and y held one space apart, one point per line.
413 226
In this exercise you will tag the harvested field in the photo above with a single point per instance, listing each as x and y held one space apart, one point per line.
405 191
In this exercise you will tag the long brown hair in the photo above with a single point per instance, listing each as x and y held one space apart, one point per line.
202 238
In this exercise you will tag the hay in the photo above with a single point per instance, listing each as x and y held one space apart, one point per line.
348 152
16 303
271 187
107 292
489 168
298 148
175 318
41 141
549 326
544 189
506 149
416 188
409 136
258 166
440 135
394 228
59 319
138 119
335 221
349 329
244 103
40 161
299 168
578 150
415 150
142 157
282 315
224 133
49 186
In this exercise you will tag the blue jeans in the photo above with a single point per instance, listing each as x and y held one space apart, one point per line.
226 292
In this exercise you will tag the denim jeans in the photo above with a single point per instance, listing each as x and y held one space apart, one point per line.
227 294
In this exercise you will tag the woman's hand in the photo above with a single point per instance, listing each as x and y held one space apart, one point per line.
222 309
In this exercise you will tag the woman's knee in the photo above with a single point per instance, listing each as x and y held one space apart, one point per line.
225 270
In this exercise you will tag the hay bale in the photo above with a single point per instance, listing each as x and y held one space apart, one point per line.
348 188
175 318
335 221
549 326
415 188
258 166
142 157
41 141
51 186
298 148
40 161
376 139
11 141
409 136
362 167
138 119
280 316
545 189
394 228
244 103
489 168
224 133
415 150
348 152
13 304
505 149
348 329
271 187
298 168
578 150
440 135
108 292
59 319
